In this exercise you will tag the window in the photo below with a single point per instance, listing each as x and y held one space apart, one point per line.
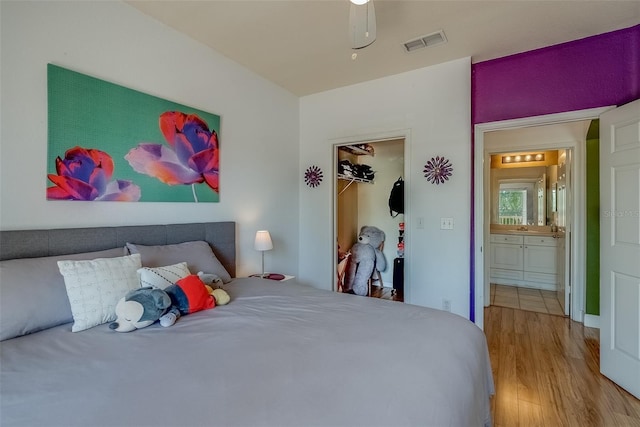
512 205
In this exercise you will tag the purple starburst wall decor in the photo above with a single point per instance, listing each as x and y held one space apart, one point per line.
438 170
313 176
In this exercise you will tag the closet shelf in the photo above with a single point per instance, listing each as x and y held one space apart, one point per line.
351 180
355 179
353 149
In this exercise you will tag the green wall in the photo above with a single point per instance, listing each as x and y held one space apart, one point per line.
593 220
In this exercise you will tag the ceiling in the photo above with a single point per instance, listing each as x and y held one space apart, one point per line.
304 45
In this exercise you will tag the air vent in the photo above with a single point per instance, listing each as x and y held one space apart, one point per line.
429 40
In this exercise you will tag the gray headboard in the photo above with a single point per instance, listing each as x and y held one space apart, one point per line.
62 241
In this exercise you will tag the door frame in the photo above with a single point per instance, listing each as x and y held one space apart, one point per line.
481 237
404 134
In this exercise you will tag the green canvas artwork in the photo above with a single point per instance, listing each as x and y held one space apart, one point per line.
110 143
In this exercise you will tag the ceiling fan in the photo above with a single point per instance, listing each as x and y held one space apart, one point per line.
362 23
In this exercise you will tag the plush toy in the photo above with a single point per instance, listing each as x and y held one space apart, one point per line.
221 296
143 306
213 283
140 308
366 258
189 295
211 280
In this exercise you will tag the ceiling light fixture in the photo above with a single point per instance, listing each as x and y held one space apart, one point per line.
362 23
534 157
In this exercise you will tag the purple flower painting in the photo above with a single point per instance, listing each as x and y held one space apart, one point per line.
85 174
191 157
143 148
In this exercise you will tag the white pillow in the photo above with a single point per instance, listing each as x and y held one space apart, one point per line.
161 277
94 287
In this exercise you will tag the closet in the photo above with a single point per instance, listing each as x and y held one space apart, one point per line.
365 174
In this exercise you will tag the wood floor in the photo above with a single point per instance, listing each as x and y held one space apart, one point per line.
546 372
385 293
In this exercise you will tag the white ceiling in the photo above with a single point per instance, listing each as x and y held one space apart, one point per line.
303 45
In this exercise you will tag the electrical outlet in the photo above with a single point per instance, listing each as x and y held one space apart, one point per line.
446 223
446 304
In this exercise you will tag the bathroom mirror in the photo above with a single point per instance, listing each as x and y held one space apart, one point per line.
519 196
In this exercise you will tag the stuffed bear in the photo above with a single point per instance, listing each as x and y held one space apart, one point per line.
189 295
213 283
210 279
140 308
366 258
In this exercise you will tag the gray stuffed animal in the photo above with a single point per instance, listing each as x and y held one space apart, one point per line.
366 258
141 307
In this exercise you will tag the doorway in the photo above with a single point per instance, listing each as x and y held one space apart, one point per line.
366 172
481 212
528 198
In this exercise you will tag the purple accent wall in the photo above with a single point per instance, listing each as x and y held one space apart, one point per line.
592 72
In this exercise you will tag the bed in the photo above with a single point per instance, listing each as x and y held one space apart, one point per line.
279 354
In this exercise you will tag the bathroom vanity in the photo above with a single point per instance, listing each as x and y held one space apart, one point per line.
525 258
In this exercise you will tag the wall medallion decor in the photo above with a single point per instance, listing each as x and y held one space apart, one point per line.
438 170
110 143
313 176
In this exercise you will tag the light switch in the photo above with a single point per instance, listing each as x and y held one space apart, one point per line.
446 223
420 222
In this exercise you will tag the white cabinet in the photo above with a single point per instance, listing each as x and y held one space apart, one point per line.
524 261
507 257
540 254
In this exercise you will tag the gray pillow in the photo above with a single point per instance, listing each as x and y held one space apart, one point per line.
198 256
33 295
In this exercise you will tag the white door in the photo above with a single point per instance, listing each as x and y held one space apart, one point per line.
564 221
563 292
563 209
620 246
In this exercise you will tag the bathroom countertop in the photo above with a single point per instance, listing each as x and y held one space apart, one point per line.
545 233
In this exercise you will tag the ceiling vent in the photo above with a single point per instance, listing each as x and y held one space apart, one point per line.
429 40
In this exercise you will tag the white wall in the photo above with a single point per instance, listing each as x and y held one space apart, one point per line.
433 105
115 42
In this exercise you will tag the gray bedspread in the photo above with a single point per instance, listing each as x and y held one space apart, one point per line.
280 354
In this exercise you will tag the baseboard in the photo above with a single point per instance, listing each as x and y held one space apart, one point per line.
592 321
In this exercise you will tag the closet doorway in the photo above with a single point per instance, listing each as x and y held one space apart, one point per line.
365 175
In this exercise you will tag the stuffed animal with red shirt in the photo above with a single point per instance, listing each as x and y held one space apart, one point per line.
191 294
142 307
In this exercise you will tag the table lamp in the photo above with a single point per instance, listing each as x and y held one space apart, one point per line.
263 243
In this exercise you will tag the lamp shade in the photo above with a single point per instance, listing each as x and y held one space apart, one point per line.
263 241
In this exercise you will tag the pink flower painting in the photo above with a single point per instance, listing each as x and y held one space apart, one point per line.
191 156
85 174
